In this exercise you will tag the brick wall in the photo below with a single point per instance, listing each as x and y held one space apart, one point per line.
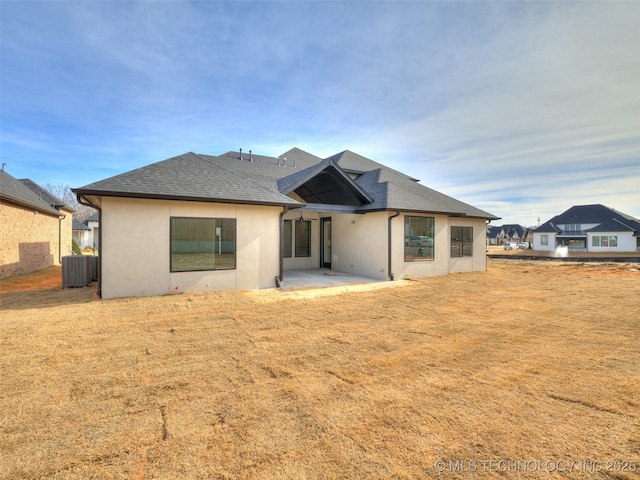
67 233
30 241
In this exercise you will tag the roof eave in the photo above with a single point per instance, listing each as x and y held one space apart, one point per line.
185 198
25 203
430 212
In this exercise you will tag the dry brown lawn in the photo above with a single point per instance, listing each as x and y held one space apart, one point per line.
513 372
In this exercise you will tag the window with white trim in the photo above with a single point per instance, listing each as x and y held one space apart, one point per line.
604 241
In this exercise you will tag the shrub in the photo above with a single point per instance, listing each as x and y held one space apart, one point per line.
75 248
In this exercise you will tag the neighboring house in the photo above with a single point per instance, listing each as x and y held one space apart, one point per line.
493 234
93 224
35 227
81 233
239 221
510 233
589 228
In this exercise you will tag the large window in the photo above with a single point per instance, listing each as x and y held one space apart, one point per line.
604 241
418 238
303 238
544 239
286 239
202 244
461 241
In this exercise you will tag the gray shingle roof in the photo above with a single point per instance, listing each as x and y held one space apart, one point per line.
48 197
259 179
16 191
394 191
78 225
608 220
188 177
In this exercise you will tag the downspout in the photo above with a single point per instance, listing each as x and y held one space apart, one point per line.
280 277
391 276
60 219
87 204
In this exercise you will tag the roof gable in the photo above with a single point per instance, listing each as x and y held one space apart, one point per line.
325 183
352 162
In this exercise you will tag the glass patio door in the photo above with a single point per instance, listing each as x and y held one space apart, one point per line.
325 248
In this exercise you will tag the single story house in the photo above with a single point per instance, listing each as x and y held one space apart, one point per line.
589 228
240 221
93 222
87 232
80 233
35 228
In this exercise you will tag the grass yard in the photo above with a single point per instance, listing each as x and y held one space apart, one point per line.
517 371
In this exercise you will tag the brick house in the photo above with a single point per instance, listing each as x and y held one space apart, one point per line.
35 227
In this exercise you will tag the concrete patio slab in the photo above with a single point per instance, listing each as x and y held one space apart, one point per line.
321 278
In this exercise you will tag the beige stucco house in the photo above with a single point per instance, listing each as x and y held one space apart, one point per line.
35 227
241 221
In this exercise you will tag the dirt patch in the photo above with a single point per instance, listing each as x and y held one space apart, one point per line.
508 372
45 279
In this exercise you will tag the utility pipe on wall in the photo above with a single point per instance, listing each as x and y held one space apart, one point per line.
280 277
88 204
390 243
60 219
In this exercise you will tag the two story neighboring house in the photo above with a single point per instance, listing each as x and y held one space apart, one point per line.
493 234
589 228
509 233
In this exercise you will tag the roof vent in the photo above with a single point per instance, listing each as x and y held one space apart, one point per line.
250 156
284 161
240 154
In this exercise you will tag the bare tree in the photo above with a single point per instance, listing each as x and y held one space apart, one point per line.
64 193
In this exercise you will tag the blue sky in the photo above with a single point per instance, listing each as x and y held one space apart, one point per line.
522 109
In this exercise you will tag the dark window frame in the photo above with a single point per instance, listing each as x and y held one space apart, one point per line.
414 248
287 239
461 242
173 268
300 249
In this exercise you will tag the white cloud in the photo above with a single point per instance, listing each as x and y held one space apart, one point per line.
513 107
